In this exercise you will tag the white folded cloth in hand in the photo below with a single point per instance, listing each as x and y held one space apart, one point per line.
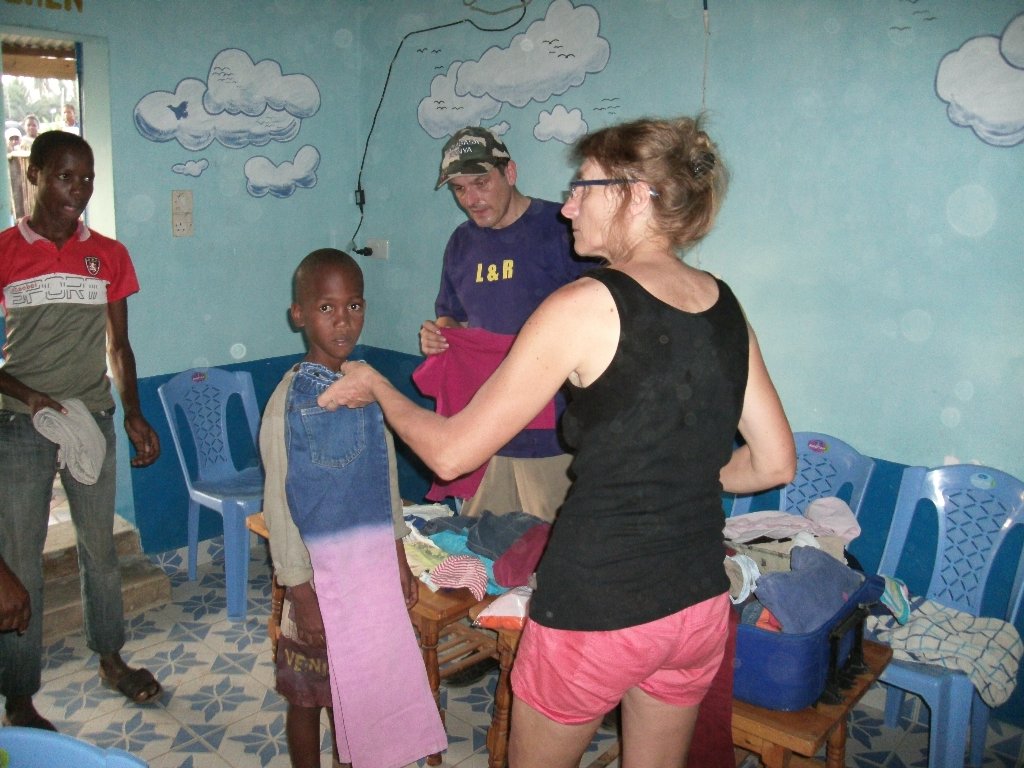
82 445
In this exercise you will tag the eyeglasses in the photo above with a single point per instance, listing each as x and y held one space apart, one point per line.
576 184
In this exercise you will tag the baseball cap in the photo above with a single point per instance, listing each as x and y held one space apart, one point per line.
472 151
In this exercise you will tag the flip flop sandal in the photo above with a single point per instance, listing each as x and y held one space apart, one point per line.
136 685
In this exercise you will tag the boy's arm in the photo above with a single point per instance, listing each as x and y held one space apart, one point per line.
292 567
35 400
309 624
122 368
410 584
397 508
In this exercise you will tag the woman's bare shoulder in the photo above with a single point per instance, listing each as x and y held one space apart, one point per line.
583 295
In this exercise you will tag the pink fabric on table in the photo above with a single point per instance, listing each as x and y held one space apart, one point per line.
835 515
453 377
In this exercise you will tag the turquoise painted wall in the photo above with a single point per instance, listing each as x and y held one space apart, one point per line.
877 247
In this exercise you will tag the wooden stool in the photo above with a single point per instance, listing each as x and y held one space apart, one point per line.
449 645
791 739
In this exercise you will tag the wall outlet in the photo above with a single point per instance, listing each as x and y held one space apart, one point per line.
181 225
379 248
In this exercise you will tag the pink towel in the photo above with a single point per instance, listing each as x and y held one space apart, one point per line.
384 710
453 377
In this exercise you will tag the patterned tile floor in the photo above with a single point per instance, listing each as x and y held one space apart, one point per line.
219 708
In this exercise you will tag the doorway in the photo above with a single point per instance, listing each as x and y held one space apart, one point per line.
40 88
90 61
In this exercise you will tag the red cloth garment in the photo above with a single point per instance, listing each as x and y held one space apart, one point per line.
712 738
453 377
514 567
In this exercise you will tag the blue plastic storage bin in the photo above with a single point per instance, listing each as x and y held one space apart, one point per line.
34 748
788 671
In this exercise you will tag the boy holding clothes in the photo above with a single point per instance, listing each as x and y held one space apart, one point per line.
332 507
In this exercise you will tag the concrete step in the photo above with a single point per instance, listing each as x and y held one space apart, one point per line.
143 583
60 555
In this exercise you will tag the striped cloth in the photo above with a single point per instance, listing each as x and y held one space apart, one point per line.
461 571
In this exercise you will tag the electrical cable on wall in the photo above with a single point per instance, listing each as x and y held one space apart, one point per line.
695 254
704 79
360 195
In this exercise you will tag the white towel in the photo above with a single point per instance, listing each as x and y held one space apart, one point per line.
82 445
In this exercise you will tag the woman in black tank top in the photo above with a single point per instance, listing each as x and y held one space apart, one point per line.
664 371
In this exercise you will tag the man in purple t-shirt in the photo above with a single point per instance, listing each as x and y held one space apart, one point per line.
498 267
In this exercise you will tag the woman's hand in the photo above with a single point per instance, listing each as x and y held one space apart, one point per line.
353 390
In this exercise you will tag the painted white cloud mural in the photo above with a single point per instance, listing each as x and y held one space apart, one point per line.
560 124
500 129
552 56
192 167
262 177
983 84
241 104
443 112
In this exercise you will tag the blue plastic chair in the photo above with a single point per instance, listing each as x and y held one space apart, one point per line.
973 510
201 396
825 466
34 748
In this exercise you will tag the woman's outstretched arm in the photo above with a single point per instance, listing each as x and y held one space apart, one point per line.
553 344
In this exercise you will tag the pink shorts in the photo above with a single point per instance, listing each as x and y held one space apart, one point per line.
574 677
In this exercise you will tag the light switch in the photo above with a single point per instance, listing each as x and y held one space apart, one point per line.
181 213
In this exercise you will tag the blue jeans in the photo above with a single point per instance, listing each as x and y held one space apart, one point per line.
28 462
489 535
337 460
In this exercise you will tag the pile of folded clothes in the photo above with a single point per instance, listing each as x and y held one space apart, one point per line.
488 554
